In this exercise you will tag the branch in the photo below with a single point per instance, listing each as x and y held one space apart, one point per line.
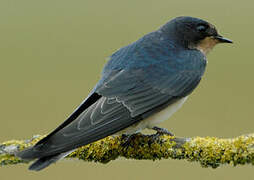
208 151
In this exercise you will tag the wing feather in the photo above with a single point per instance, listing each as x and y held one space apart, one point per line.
124 96
112 113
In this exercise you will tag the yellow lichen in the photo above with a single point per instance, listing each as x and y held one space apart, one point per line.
209 151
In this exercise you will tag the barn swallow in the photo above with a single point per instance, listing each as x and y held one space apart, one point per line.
141 85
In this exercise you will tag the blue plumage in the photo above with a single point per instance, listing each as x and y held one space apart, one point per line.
138 81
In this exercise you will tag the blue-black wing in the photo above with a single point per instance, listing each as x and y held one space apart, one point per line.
123 98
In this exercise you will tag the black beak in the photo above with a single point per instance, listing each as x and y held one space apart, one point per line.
221 39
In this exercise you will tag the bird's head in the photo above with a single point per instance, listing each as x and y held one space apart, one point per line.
194 33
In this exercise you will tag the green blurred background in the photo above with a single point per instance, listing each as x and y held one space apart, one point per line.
52 53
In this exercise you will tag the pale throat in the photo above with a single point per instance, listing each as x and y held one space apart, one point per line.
206 45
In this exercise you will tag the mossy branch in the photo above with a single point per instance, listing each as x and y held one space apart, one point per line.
208 151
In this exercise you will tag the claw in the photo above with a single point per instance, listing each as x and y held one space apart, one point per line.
127 140
153 138
159 132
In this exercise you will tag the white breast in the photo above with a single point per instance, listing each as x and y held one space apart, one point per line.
155 119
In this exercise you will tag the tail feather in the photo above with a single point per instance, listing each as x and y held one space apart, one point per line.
28 154
41 162
44 162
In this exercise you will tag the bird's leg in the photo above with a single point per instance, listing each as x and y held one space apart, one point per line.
159 132
162 131
127 139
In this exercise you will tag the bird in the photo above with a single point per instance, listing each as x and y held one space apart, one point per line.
141 85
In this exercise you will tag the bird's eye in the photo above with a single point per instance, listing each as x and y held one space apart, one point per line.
202 28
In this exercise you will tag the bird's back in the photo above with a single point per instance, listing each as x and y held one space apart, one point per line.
137 82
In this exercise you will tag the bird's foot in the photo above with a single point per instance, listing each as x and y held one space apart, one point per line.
162 131
127 139
159 132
